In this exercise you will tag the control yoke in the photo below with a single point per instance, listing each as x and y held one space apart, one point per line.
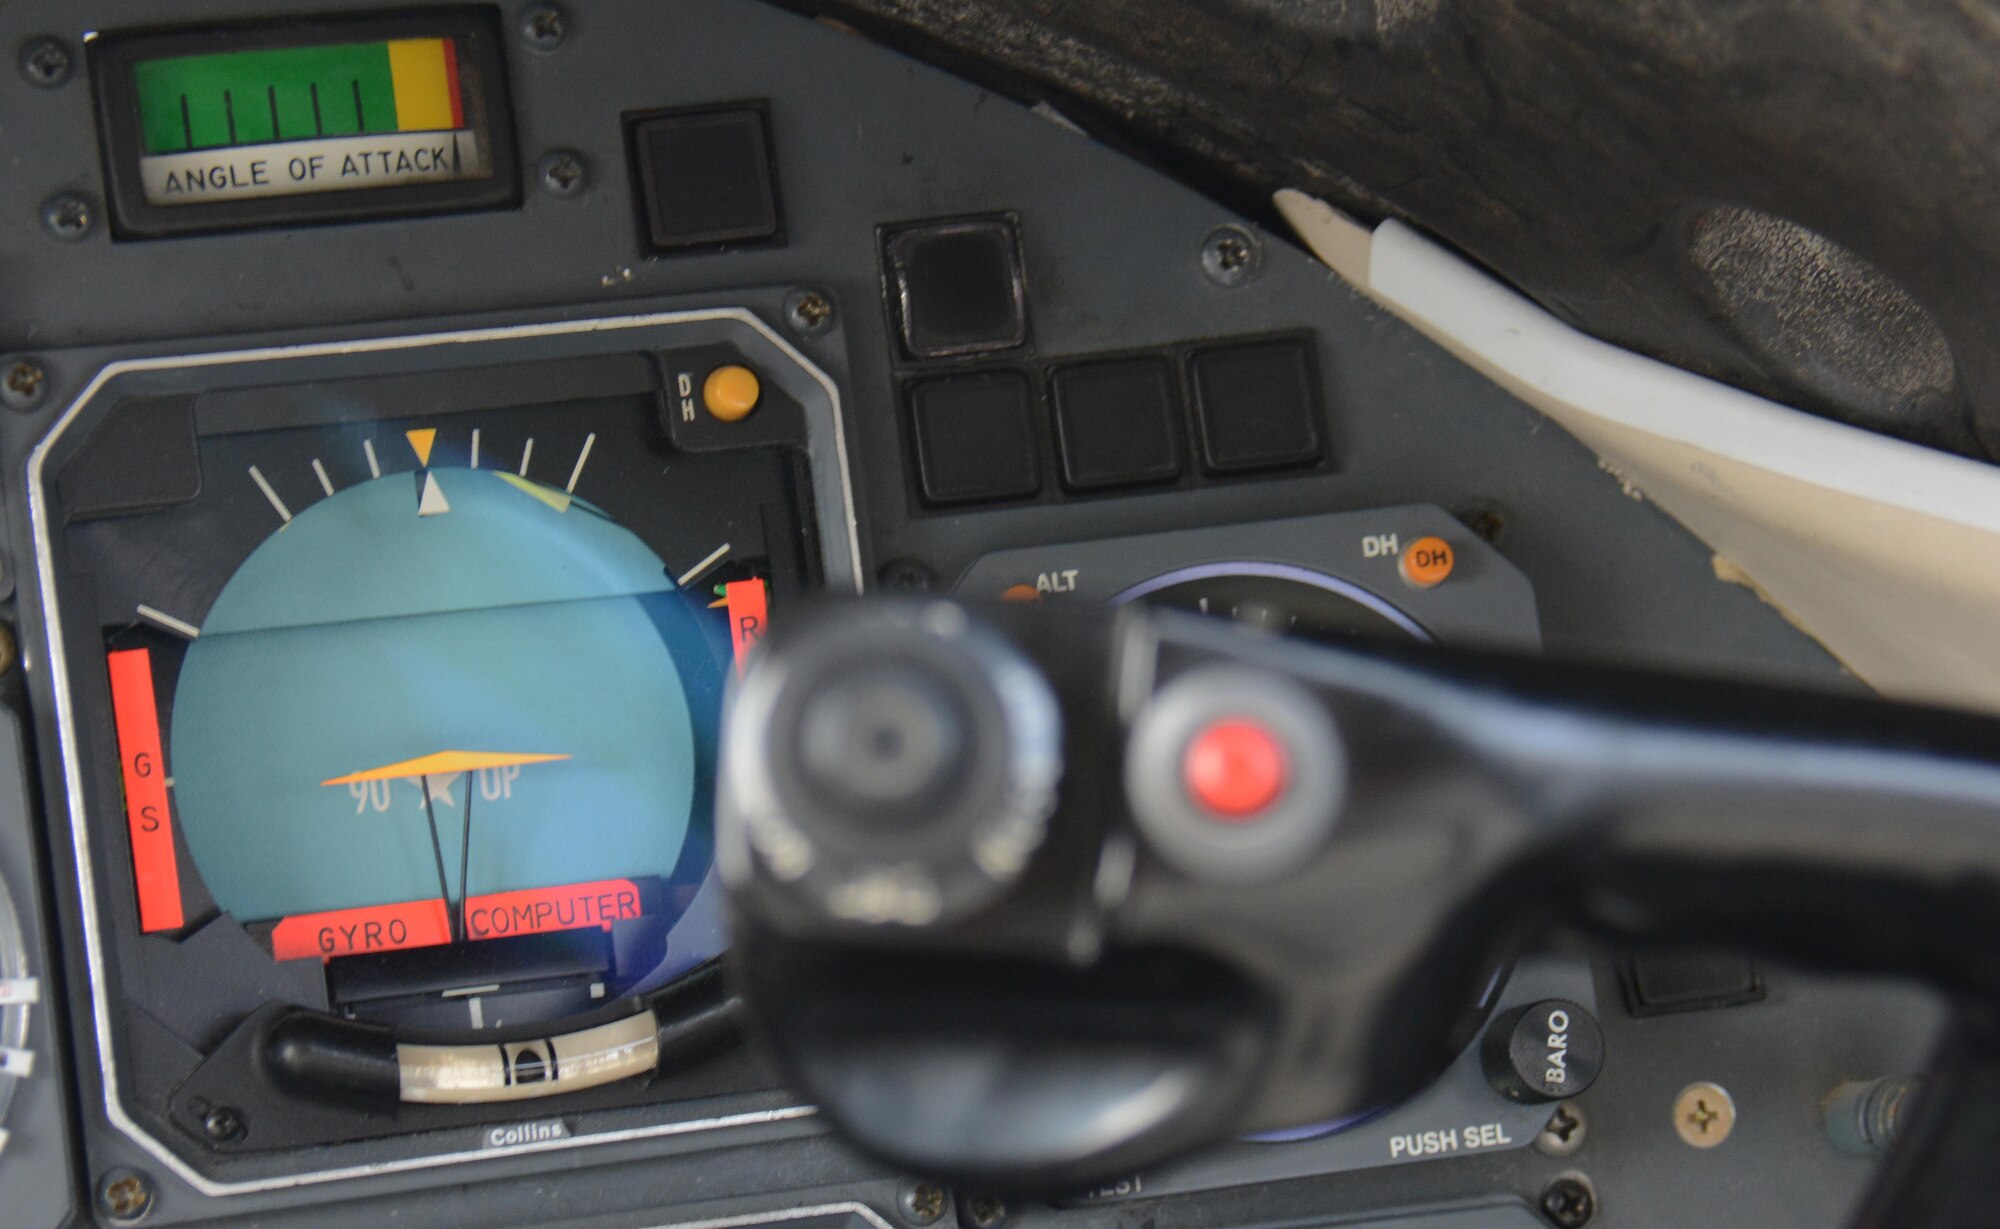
1032 898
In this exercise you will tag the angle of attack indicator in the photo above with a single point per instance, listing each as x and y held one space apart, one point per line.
240 124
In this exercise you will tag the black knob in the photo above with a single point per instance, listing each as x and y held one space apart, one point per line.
1546 1051
893 764
887 740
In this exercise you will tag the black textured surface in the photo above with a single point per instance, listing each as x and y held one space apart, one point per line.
146 458
1787 196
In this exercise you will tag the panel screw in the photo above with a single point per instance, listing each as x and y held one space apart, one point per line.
46 62
561 173
922 1203
1231 256
1568 1202
9 651
1484 519
68 216
907 576
224 1124
982 1212
809 312
1704 1115
1564 1133
544 27
125 1196
24 384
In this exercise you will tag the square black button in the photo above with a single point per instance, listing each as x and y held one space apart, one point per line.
1660 982
705 177
1257 406
958 287
975 437
1116 423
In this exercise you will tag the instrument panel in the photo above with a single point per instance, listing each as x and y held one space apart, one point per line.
381 551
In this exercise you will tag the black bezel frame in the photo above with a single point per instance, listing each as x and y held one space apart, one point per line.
111 60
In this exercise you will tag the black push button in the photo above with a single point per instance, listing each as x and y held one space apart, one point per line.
1117 423
1546 1051
958 287
1692 979
705 177
975 437
1257 407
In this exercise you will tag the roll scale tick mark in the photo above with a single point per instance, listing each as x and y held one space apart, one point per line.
698 570
159 618
264 485
589 441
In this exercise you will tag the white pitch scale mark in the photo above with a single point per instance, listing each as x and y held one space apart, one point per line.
161 618
284 513
374 466
527 452
319 471
589 442
475 449
714 557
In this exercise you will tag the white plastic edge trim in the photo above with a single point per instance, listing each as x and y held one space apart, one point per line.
1887 552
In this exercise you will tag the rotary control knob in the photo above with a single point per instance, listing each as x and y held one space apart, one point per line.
891 765
1546 1051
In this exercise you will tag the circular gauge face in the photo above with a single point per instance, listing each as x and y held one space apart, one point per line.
459 697
1287 600
434 707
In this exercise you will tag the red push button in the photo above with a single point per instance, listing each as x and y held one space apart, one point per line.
1234 769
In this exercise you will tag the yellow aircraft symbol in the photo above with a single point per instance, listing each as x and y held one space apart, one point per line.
442 763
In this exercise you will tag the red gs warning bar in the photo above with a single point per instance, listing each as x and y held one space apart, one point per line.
424 923
135 711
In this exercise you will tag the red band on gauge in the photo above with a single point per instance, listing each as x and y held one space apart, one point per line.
149 819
